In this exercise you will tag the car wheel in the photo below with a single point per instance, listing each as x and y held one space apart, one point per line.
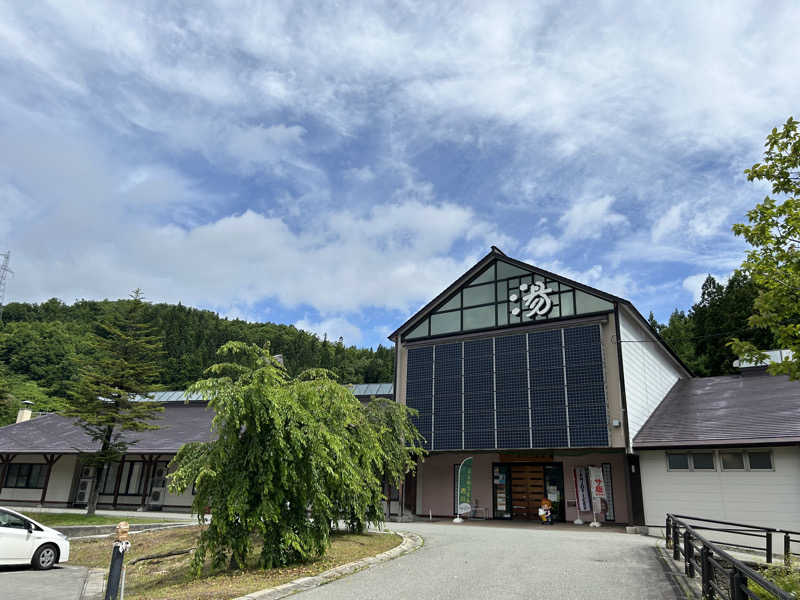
45 557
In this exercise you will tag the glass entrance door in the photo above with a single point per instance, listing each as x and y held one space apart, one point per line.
501 488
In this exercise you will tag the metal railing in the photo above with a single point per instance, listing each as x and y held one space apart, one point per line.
721 575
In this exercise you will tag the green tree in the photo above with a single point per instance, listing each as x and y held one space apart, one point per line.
292 458
107 402
773 262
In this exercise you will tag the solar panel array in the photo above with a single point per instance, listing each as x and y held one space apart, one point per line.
537 390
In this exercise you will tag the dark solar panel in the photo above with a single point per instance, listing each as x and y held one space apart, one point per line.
472 387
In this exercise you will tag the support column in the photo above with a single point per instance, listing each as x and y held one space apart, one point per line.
50 460
120 468
5 460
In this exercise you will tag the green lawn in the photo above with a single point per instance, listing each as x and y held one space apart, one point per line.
169 578
64 519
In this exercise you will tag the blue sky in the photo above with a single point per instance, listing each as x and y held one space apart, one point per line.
336 167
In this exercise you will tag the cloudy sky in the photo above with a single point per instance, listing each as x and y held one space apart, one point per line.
337 166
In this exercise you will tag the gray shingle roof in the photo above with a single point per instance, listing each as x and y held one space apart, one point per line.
727 410
178 424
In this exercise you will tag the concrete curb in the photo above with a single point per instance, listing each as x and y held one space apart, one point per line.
94 584
410 543
688 587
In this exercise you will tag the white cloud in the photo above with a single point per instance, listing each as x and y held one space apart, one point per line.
371 153
668 223
333 329
588 217
694 283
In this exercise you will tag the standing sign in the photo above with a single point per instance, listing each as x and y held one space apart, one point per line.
582 490
464 488
598 487
597 482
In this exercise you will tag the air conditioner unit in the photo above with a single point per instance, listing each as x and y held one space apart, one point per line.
84 490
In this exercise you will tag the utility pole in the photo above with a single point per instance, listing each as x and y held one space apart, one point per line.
4 271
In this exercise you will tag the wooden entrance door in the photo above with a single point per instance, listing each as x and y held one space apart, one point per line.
527 490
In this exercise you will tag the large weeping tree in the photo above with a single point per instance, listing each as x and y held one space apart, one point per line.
111 396
294 456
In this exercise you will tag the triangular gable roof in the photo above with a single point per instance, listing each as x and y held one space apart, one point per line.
496 254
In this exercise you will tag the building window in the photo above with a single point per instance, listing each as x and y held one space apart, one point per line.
24 475
109 478
702 461
732 461
760 461
130 482
678 462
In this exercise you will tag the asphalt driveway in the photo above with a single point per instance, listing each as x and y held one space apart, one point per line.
487 560
59 583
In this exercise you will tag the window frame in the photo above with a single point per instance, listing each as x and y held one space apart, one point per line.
768 452
733 451
41 469
690 460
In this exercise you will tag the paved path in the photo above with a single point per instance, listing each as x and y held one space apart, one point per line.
59 583
487 560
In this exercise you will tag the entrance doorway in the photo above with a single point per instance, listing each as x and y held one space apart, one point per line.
519 489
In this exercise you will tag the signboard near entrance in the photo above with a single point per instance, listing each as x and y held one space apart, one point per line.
598 485
582 489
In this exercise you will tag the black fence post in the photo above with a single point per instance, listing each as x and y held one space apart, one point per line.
676 544
688 553
669 531
706 573
787 550
769 546
738 583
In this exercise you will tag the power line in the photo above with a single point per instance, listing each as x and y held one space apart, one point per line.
4 271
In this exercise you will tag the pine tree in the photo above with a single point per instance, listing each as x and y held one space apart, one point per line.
108 398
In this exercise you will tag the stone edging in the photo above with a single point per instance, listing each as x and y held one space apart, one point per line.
683 585
411 542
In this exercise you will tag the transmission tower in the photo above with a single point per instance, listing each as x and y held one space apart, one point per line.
4 271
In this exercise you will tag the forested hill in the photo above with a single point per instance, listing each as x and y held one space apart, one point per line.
42 347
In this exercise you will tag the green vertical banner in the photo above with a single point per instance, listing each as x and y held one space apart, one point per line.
465 486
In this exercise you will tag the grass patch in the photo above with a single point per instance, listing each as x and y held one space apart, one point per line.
786 578
64 519
169 578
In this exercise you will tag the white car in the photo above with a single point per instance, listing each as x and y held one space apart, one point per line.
24 541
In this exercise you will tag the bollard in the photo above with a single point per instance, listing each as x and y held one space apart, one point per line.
121 545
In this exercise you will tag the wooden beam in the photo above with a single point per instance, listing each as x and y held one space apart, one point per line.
50 460
120 468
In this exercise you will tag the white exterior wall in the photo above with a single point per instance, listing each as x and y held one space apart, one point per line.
766 498
648 369
58 487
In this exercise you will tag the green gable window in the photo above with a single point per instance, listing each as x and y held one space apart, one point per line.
504 295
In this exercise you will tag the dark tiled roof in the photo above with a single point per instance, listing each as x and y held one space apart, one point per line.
178 424
726 410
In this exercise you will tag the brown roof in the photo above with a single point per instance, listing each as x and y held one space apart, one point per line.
178 424
727 410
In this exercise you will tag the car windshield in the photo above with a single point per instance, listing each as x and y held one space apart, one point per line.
9 520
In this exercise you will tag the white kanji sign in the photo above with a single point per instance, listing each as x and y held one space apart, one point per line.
535 299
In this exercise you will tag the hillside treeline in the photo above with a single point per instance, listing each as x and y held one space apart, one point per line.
700 336
43 347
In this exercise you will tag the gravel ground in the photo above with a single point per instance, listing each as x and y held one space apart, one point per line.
505 561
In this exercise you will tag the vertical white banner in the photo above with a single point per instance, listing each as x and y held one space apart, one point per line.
582 489
597 483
